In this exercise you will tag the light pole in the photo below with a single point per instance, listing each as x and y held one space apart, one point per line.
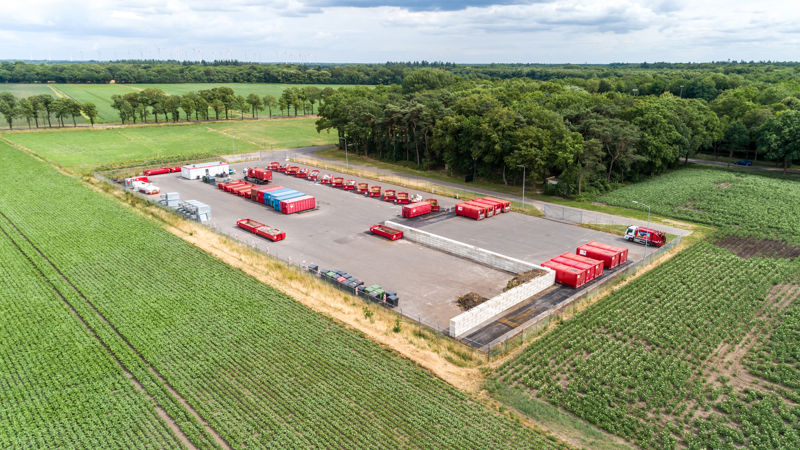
523 185
346 157
646 242
681 91
635 92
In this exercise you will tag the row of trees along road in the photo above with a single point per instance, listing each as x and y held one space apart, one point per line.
219 101
44 107
436 120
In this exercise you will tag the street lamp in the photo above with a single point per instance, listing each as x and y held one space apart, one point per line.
635 92
681 91
346 157
646 242
523 185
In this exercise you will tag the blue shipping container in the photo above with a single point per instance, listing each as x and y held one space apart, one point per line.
268 195
276 201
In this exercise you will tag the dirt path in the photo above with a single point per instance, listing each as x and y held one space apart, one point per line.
225 133
61 94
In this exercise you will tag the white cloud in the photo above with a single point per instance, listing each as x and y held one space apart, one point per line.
319 30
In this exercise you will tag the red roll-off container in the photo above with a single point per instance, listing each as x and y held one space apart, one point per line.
598 264
389 195
388 233
416 209
506 204
374 191
260 192
496 208
159 171
589 268
610 259
472 211
569 276
623 257
298 204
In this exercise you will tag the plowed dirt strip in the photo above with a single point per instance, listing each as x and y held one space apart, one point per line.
161 412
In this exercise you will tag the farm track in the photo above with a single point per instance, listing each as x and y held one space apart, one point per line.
169 420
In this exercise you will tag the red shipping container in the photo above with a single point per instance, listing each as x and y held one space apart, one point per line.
488 209
496 207
298 204
228 186
416 209
589 268
375 191
389 233
623 252
434 204
174 169
241 187
273 165
598 265
472 211
260 192
610 259
259 174
402 198
506 204
569 276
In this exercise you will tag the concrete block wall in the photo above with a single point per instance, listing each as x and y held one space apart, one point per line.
494 306
463 250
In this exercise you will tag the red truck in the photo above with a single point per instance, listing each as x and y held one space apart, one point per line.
648 236
258 176
260 229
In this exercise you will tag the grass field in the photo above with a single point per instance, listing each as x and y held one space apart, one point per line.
757 203
661 362
100 94
259 367
81 150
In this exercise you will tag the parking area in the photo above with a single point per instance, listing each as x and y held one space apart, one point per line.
336 236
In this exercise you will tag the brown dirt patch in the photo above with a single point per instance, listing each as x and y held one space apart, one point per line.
690 207
470 300
724 185
745 247
523 278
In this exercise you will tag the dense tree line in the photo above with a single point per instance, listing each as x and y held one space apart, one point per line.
589 137
41 109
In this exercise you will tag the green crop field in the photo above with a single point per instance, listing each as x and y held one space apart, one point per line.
58 386
84 149
756 203
99 94
659 361
260 368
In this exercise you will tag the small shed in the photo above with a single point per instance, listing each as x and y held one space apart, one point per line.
196 171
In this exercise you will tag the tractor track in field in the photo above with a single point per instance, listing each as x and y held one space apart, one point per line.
127 372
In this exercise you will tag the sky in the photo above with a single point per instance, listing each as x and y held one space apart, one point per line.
362 31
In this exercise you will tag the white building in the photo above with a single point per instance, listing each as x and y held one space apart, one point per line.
195 171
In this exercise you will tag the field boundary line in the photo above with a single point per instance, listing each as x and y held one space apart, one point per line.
169 421
259 146
62 94
220 441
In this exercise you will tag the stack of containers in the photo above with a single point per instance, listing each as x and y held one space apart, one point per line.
276 200
567 275
589 269
610 259
261 191
297 204
495 208
598 265
505 204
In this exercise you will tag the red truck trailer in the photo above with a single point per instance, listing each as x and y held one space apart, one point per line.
649 236
362 188
402 198
374 191
388 233
589 268
350 185
158 171
313 175
297 204
567 275
337 182
610 259
258 176
476 212
259 229
389 195
598 265
302 173
416 209
325 179
292 170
